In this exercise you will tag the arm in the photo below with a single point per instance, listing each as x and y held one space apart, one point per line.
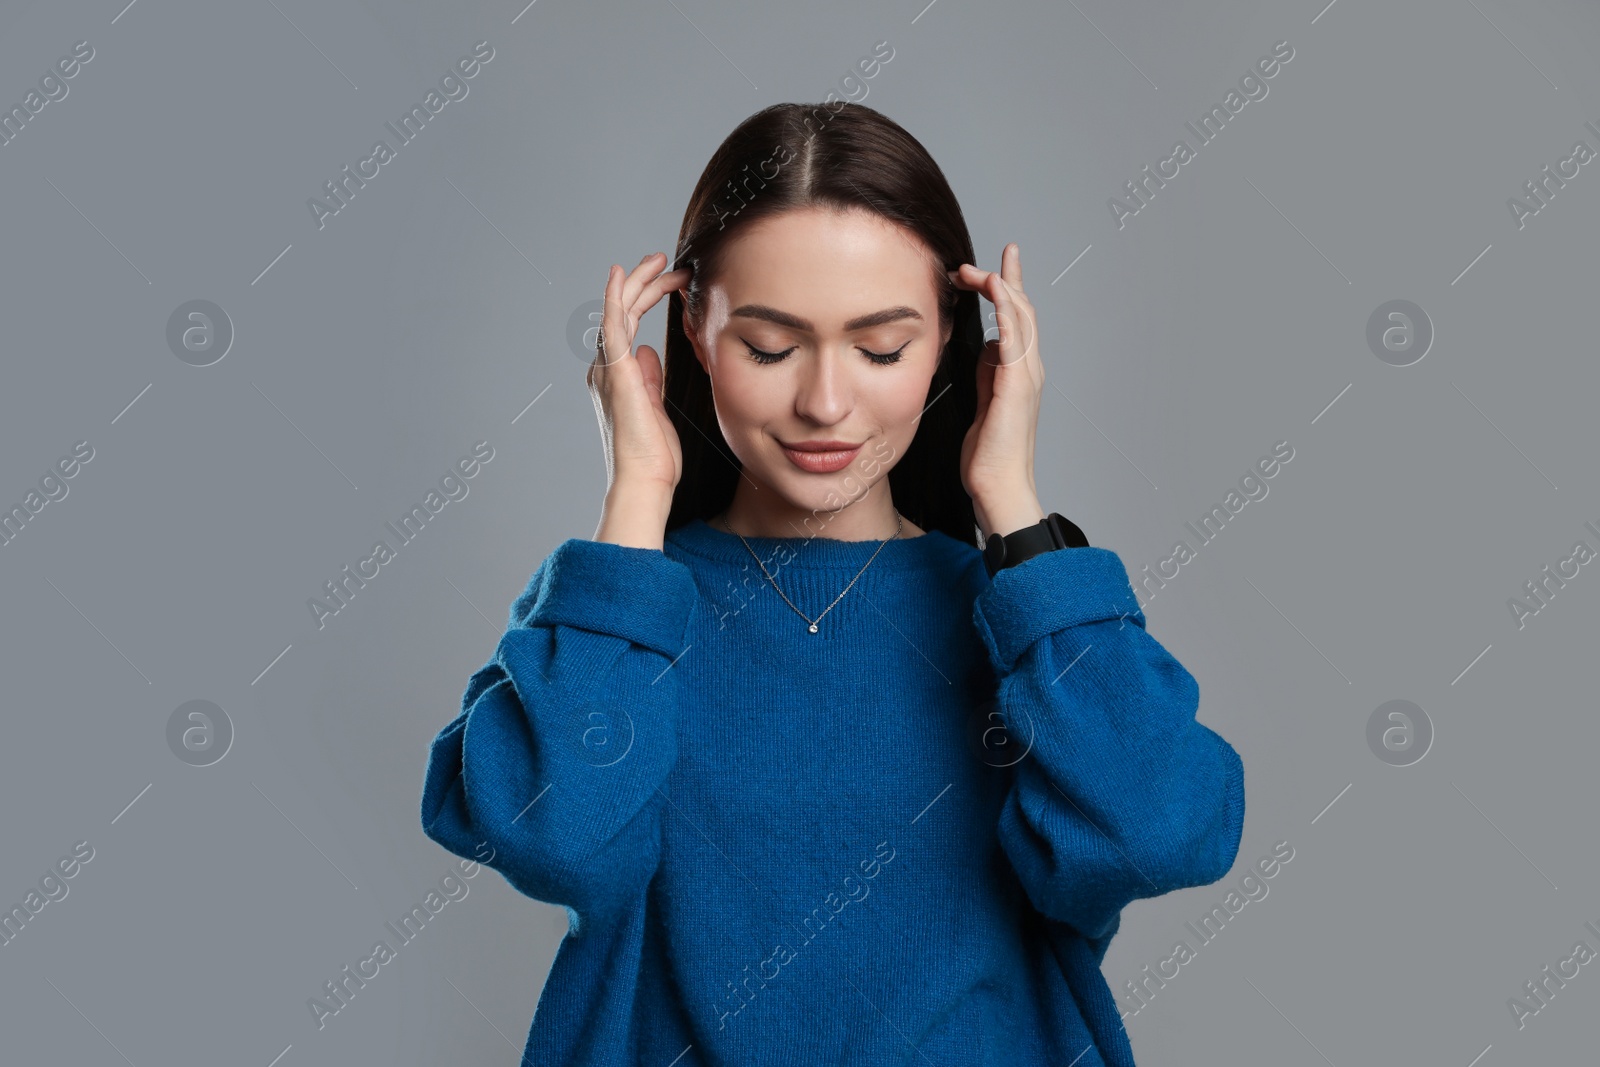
566 733
1123 794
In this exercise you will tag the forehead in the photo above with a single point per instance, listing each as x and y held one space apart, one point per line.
828 266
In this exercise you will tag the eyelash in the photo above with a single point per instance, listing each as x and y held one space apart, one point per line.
882 359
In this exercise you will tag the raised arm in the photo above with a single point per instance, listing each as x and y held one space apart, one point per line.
565 735
1123 794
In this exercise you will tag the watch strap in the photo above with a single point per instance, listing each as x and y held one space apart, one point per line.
1052 532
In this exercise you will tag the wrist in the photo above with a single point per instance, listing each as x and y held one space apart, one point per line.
634 515
1055 531
1008 514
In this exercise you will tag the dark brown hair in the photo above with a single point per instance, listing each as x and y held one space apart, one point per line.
838 156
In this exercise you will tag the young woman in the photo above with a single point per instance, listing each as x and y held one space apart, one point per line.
816 779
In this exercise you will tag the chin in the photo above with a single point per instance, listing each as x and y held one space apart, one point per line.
811 493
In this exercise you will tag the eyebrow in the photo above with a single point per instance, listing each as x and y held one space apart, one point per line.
795 322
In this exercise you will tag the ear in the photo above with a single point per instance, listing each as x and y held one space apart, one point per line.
693 334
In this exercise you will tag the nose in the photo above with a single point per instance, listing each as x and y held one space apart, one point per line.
823 394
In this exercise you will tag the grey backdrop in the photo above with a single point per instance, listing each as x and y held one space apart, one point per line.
435 310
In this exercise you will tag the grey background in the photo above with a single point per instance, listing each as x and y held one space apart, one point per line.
431 312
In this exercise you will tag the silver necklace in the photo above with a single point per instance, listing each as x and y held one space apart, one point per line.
899 525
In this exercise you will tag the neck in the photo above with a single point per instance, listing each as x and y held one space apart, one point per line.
870 517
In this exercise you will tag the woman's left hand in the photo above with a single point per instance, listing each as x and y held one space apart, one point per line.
997 452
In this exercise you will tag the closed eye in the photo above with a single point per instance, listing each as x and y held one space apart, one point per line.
882 359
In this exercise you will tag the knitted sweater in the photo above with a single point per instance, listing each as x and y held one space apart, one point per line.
906 838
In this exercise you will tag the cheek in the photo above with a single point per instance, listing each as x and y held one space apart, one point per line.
899 408
745 400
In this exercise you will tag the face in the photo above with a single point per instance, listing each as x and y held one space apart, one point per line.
822 330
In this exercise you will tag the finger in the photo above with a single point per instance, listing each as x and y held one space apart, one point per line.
967 276
648 268
987 283
1011 272
1019 323
1013 313
1011 264
615 334
1011 344
650 370
651 286
655 289
637 277
616 325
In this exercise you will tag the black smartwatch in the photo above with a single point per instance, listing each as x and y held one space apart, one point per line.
1049 533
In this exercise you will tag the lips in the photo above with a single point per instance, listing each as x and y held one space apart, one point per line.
821 457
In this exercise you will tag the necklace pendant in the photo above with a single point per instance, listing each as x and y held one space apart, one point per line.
812 628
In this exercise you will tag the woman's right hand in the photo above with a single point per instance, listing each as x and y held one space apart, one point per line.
644 458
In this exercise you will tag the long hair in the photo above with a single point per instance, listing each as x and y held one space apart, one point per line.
837 156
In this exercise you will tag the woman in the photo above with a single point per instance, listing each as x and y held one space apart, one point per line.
813 784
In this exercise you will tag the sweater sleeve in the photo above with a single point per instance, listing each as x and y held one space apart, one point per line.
1122 793
553 764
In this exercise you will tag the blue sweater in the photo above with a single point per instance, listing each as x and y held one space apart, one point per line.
906 838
